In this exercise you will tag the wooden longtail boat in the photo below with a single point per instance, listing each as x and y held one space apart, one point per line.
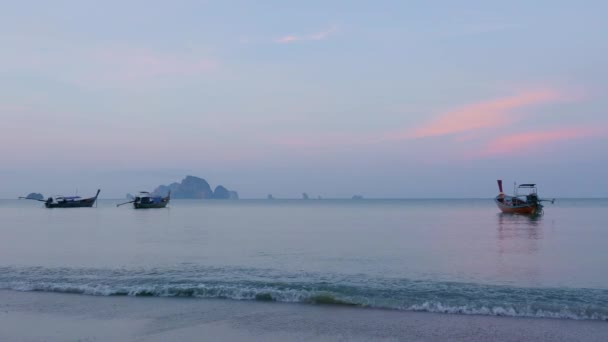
527 204
146 201
71 201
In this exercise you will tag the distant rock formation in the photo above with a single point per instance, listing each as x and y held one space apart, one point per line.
35 195
194 188
163 190
270 197
304 196
221 192
357 197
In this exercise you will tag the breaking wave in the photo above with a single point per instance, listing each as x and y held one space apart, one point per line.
274 286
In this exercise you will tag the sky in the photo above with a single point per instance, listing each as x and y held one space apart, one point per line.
385 99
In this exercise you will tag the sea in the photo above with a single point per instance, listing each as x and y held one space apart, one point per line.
435 255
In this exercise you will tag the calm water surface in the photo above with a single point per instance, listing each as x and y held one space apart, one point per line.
456 256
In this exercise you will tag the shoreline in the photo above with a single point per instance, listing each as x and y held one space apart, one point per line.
36 316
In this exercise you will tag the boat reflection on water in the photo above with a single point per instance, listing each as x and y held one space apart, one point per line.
508 220
519 240
523 230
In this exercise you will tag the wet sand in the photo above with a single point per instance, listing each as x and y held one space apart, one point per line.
35 316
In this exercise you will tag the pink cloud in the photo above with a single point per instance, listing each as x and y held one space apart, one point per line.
523 142
466 121
467 137
485 114
311 37
110 64
474 126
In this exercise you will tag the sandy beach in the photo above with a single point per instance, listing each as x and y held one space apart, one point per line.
34 316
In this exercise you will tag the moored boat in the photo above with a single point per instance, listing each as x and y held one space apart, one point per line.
71 201
528 203
144 200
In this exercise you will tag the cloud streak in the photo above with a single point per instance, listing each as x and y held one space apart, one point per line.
487 114
472 129
110 64
523 142
322 35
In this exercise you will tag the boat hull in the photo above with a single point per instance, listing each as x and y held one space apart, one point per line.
150 206
85 203
81 203
146 203
524 209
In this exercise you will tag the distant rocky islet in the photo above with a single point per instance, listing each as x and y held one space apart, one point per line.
35 196
193 187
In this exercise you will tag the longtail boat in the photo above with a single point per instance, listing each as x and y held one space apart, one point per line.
527 203
144 200
71 201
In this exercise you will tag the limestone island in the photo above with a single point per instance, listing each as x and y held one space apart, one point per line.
193 187
35 196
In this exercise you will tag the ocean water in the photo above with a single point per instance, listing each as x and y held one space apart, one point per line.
452 256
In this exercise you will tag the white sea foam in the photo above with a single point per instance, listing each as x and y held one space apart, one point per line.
294 295
525 311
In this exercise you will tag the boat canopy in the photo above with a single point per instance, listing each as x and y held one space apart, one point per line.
527 185
146 194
